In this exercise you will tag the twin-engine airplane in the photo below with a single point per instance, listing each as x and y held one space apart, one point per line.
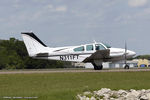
95 53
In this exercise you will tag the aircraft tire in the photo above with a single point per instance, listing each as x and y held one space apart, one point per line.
97 67
100 67
126 67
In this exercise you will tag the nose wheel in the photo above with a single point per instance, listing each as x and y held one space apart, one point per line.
126 66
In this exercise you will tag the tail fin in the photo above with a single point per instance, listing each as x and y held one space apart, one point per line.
33 44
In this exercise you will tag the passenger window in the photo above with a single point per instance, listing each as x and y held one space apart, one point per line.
79 49
89 47
99 47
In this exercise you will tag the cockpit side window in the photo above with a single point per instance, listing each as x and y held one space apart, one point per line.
99 47
89 47
107 45
79 49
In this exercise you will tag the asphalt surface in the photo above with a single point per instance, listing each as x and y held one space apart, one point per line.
70 71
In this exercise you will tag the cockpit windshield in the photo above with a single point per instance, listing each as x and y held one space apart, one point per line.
107 45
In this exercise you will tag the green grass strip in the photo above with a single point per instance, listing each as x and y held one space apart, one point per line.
65 86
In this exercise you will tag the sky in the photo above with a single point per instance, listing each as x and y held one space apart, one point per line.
74 22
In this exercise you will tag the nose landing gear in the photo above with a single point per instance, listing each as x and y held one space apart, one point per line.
126 66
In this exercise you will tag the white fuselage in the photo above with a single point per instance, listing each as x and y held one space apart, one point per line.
95 53
68 53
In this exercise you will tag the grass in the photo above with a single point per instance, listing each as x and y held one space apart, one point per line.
65 86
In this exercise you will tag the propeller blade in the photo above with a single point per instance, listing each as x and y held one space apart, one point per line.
125 53
125 57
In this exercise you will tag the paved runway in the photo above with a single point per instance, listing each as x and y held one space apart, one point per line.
69 71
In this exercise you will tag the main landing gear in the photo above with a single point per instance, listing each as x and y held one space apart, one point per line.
97 67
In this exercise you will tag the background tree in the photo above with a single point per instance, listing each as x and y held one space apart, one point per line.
13 55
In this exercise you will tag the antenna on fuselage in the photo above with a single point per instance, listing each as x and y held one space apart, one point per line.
94 41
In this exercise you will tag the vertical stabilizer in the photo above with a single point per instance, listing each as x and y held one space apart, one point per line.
33 44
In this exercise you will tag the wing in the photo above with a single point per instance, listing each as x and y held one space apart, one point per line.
98 55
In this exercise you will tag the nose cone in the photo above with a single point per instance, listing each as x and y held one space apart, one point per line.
131 53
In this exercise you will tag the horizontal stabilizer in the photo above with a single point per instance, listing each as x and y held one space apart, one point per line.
42 55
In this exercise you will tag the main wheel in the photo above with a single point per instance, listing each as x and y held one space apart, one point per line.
95 68
100 67
126 66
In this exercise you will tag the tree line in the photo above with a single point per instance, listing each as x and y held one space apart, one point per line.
143 57
13 55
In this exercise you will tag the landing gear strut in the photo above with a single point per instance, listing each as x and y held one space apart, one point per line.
100 67
126 66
